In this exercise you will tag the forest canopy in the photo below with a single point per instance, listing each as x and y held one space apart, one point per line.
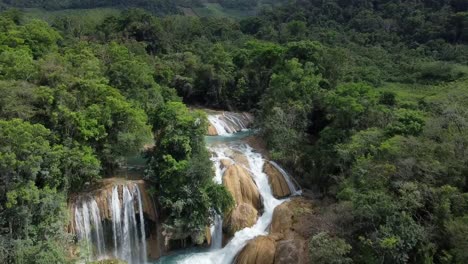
364 102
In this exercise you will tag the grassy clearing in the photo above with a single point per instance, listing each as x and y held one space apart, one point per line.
413 93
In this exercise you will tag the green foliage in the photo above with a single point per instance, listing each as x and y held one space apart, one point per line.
181 171
32 203
408 122
324 248
286 104
458 230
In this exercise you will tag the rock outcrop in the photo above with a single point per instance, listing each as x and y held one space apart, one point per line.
245 193
278 184
240 184
262 250
287 241
243 215
212 130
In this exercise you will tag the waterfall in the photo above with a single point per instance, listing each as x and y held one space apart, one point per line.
288 179
227 123
128 240
240 239
217 233
116 222
218 154
89 227
222 128
144 253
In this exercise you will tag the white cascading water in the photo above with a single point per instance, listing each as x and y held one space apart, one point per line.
240 239
288 179
128 234
129 239
228 123
221 127
116 219
217 233
89 227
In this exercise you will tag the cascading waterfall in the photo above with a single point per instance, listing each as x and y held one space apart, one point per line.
144 253
128 235
288 179
227 149
116 219
240 239
89 227
217 233
228 123
129 239
221 127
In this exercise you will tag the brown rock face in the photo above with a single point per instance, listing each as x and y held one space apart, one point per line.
240 184
226 163
287 241
282 220
208 235
278 184
245 193
260 250
243 215
212 130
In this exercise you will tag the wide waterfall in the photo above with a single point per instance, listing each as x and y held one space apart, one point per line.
127 240
226 123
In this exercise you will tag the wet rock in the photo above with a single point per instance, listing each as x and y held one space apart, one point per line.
243 215
282 220
262 250
287 241
212 130
226 163
278 184
208 236
240 184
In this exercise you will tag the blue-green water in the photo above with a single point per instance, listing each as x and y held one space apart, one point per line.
229 138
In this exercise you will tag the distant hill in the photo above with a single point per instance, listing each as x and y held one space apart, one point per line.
216 8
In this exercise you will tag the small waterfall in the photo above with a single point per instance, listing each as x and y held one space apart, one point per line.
217 156
240 239
128 240
228 123
144 253
89 227
288 179
221 127
116 221
217 233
